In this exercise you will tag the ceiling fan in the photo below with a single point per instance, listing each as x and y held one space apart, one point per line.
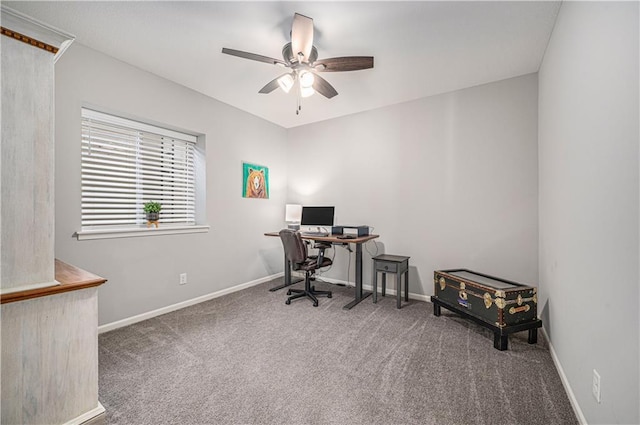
301 58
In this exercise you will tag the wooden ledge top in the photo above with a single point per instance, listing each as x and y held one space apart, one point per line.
71 278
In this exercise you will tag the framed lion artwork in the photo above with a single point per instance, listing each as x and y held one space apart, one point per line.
255 181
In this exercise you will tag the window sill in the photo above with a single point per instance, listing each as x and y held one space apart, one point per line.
85 235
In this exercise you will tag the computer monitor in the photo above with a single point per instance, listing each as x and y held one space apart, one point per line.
317 216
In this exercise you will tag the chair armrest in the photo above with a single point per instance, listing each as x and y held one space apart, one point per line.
321 246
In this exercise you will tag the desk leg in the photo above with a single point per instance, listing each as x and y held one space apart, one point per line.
286 280
360 294
406 286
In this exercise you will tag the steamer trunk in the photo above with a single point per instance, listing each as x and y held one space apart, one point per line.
501 305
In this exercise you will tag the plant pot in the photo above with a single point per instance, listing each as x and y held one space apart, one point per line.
153 216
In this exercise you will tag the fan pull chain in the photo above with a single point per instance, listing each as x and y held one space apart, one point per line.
298 96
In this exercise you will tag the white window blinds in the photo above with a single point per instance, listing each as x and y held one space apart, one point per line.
127 163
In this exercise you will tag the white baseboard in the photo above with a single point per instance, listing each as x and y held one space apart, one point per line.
87 416
565 382
148 315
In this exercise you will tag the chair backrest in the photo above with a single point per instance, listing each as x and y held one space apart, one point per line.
294 247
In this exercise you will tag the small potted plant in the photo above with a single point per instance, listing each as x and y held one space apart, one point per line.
152 210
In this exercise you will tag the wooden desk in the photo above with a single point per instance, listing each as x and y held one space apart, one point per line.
333 239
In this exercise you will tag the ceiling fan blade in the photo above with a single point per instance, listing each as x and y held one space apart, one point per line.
253 56
323 87
347 63
302 36
271 85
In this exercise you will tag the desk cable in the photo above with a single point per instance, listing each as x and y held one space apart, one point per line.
366 245
319 272
347 246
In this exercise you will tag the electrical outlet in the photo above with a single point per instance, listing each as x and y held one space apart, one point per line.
595 386
183 278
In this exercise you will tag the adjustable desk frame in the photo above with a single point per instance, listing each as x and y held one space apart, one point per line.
333 239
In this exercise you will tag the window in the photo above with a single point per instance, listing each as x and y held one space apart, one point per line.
127 163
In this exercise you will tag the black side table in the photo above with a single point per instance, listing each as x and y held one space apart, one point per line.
387 263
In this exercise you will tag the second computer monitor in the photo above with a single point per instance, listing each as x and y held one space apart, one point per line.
317 216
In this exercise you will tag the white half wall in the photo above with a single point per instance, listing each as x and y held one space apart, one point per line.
589 197
449 180
143 272
50 358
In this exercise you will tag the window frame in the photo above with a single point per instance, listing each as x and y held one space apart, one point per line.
185 211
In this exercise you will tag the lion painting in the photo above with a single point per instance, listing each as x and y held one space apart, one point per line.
256 182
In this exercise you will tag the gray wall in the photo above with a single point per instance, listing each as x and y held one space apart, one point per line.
143 272
588 154
449 180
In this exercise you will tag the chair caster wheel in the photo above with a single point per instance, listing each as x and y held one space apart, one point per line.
328 295
289 292
315 304
287 302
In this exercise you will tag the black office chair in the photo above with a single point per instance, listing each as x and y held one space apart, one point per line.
296 251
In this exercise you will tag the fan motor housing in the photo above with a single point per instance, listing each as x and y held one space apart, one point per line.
288 56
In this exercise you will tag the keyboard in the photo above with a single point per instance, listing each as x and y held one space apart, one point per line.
314 233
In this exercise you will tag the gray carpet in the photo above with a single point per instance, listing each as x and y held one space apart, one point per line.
247 358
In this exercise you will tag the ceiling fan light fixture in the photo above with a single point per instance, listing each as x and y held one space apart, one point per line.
306 79
286 82
306 91
300 57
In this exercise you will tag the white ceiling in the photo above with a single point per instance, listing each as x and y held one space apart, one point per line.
421 48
